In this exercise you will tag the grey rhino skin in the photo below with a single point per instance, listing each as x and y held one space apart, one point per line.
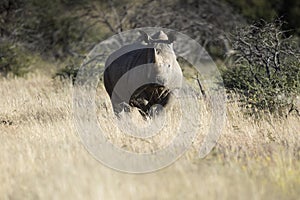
143 74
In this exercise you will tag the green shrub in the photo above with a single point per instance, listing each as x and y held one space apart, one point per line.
288 10
13 60
70 70
266 71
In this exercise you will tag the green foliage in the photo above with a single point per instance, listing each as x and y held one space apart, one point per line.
13 60
260 93
290 11
49 28
53 28
256 9
268 10
10 16
267 69
69 71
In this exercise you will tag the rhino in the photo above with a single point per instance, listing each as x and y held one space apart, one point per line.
143 74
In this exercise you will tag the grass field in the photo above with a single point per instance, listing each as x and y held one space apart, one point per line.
42 156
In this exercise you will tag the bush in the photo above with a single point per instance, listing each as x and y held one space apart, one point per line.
69 71
48 32
254 10
13 60
266 71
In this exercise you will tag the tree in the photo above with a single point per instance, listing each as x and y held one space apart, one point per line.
266 71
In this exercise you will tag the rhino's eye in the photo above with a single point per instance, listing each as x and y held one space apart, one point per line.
157 51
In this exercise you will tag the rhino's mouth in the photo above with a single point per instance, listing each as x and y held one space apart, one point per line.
148 95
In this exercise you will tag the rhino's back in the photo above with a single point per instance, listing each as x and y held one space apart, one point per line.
117 66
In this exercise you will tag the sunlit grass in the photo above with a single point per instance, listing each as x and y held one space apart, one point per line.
42 156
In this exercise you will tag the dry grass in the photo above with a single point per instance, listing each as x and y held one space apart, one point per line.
43 158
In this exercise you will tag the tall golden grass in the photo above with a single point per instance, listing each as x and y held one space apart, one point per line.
42 156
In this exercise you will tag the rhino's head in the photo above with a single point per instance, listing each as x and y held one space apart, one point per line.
166 68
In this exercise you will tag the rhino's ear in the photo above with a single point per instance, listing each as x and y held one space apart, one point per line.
171 37
145 37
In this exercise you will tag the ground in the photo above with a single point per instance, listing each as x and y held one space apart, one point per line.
43 158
